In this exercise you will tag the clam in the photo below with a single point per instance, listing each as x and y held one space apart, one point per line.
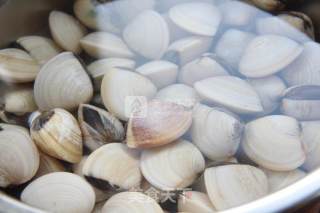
270 90
116 165
232 45
280 180
268 54
49 165
161 73
66 31
304 70
158 168
273 142
105 45
174 31
99 127
302 102
62 82
148 35
187 49
119 99
163 123
17 66
133 202
205 66
99 68
40 48
19 157
198 18
216 142
233 185
179 94
60 192
58 134
231 92
193 201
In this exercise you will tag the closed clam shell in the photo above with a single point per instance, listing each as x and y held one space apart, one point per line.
179 94
306 69
105 45
134 202
49 165
233 185
58 134
230 92
62 82
302 102
118 98
19 157
163 123
205 66
273 142
173 166
40 48
148 35
196 17
161 73
232 45
99 126
66 31
193 201
17 66
115 164
267 55
216 142
60 192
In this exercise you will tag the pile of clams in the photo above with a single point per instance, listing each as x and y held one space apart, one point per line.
160 106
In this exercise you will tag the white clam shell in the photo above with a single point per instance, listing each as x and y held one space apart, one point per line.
60 192
19 157
196 17
231 92
233 185
216 142
49 165
62 82
133 202
273 142
116 97
193 201
105 45
148 35
267 55
158 168
201 68
161 73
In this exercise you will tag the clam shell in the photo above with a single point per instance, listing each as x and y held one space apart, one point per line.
148 35
233 185
99 127
216 142
19 157
40 48
196 17
58 134
193 201
133 202
174 31
60 192
118 98
201 68
66 31
163 123
161 73
172 166
62 82
231 92
105 45
49 165
17 66
267 55
273 142
116 164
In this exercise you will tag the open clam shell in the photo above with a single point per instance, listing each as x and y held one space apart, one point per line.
193 201
49 165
